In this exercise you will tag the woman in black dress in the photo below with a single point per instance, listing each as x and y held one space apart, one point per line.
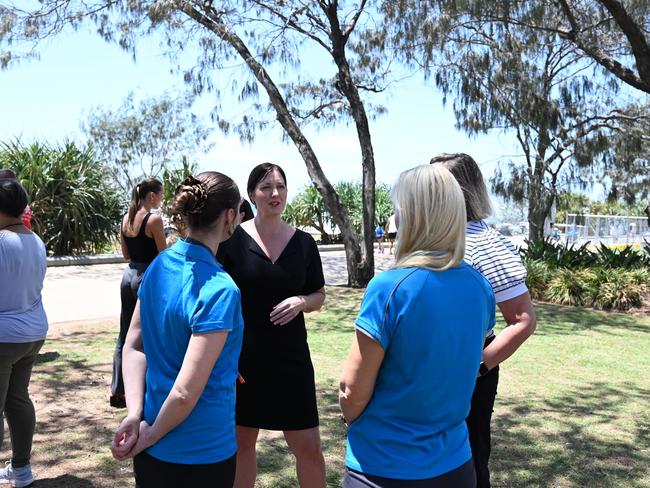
279 272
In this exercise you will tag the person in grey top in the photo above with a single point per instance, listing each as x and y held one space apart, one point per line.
23 326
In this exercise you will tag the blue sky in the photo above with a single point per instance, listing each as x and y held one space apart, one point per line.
46 98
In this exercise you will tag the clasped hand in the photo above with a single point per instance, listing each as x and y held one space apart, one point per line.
285 311
132 437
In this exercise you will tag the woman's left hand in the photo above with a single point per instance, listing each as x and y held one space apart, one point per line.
287 310
125 438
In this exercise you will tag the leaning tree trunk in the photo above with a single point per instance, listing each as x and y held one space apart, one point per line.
365 267
360 270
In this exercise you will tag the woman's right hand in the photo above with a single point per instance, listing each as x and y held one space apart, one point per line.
125 438
132 437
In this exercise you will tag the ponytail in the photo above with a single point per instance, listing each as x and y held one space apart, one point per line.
138 194
134 205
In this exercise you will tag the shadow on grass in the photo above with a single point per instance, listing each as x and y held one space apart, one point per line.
64 481
339 311
277 463
573 440
46 357
558 319
72 425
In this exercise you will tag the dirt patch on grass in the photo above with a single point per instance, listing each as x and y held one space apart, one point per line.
74 423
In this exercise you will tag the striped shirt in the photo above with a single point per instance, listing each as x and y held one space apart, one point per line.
497 259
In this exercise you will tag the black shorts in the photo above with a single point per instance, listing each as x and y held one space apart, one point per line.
151 472
392 235
462 477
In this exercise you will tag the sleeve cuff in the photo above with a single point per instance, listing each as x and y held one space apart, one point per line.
370 331
210 327
511 293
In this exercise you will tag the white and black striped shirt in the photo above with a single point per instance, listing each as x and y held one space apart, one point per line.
497 259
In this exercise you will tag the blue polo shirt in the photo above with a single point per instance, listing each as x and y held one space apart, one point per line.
185 291
431 326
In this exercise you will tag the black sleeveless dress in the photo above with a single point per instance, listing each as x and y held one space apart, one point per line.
279 392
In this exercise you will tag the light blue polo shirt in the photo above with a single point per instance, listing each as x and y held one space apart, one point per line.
185 291
432 333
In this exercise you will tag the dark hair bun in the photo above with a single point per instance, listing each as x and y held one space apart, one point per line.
191 196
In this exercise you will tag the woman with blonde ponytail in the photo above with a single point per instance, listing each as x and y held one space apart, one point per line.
408 380
142 237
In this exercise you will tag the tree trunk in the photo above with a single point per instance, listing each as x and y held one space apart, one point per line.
346 85
360 270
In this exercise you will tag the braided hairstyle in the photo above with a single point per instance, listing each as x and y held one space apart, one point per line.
201 199
139 194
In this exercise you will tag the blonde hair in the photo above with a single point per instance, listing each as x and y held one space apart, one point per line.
469 177
431 213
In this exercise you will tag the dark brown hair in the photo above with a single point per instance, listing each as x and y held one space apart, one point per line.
201 199
139 193
7 174
247 210
469 177
13 197
260 172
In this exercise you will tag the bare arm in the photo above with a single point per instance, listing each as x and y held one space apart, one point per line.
202 353
313 301
520 324
134 364
156 231
125 250
285 311
359 375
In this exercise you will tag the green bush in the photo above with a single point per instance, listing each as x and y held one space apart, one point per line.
620 289
76 206
558 255
571 286
626 257
537 277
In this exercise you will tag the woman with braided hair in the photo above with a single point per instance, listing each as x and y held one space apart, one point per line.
182 349
142 237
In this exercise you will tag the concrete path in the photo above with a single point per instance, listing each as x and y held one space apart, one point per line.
73 293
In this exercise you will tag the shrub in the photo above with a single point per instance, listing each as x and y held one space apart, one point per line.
558 255
538 274
571 287
625 257
76 206
620 289
640 276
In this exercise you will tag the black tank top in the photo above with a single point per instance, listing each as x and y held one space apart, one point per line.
142 249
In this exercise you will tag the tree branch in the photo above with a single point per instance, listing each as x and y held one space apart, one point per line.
353 24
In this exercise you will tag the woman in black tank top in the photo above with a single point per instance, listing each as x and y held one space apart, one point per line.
141 237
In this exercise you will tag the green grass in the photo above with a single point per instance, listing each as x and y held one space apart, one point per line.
573 408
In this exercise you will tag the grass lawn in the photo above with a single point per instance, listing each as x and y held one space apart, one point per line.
573 408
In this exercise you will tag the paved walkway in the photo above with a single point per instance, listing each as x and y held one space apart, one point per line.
92 292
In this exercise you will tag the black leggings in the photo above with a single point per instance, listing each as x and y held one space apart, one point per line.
462 477
131 279
153 473
478 424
